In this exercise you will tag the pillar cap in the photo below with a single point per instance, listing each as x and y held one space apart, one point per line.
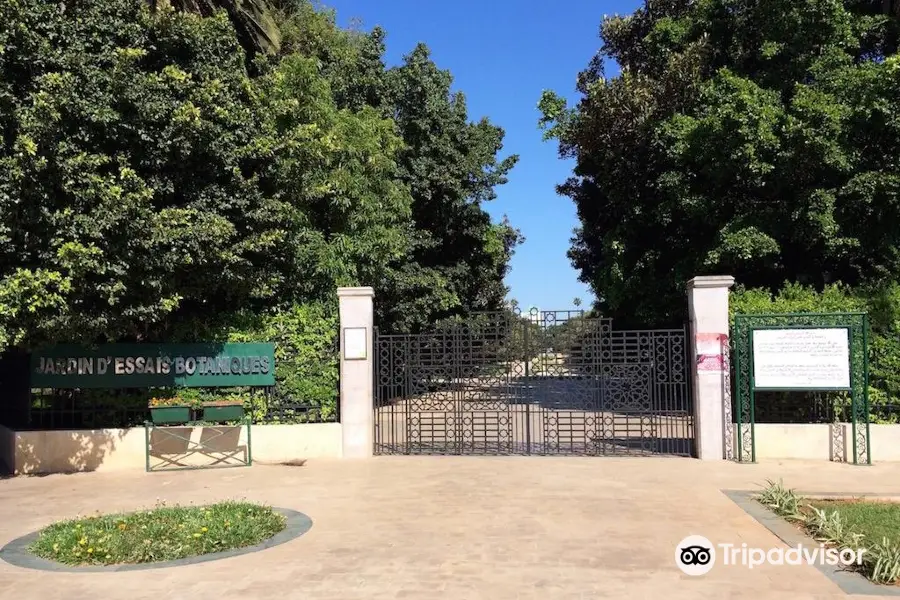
711 281
345 292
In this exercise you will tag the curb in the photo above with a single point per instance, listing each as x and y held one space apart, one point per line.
850 582
16 552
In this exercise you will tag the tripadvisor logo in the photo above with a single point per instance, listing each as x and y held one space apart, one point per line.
696 555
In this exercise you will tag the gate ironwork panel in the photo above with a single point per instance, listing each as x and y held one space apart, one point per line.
552 382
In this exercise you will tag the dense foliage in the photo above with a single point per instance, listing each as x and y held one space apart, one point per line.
145 177
213 170
253 20
154 171
306 359
756 138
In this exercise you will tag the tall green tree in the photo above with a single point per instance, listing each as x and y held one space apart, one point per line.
458 257
350 59
750 137
146 179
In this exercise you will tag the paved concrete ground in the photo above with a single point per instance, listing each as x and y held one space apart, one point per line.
449 527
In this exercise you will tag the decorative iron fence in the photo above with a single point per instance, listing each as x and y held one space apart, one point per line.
112 409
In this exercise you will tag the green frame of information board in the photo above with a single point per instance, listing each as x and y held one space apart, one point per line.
744 409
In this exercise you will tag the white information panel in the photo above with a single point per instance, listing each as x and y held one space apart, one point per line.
801 359
355 345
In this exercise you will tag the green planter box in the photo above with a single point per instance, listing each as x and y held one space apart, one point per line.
221 413
170 414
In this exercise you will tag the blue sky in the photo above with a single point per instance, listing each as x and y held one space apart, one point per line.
502 54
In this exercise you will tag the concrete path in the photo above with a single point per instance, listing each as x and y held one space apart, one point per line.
449 527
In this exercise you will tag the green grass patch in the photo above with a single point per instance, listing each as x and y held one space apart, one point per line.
161 534
874 520
855 524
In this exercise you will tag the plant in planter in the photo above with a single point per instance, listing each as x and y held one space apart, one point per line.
228 409
173 409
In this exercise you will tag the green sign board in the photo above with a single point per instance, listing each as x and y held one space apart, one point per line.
154 365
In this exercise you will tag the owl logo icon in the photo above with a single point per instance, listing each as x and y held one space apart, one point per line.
695 555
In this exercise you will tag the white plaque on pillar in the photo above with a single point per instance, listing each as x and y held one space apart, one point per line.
801 359
355 343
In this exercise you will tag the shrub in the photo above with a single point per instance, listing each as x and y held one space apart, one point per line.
306 359
164 401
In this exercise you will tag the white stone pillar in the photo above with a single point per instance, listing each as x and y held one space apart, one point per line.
357 364
708 306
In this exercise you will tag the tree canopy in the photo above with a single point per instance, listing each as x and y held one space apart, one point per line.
757 138
457 257
153 171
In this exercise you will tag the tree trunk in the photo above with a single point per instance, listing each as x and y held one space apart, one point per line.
253 20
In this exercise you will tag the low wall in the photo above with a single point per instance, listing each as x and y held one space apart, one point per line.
816 442
30 452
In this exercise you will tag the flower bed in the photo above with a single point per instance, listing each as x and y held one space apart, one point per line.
161 534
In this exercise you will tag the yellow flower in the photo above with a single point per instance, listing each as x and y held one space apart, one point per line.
83 541
204 529
90 550
196 535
